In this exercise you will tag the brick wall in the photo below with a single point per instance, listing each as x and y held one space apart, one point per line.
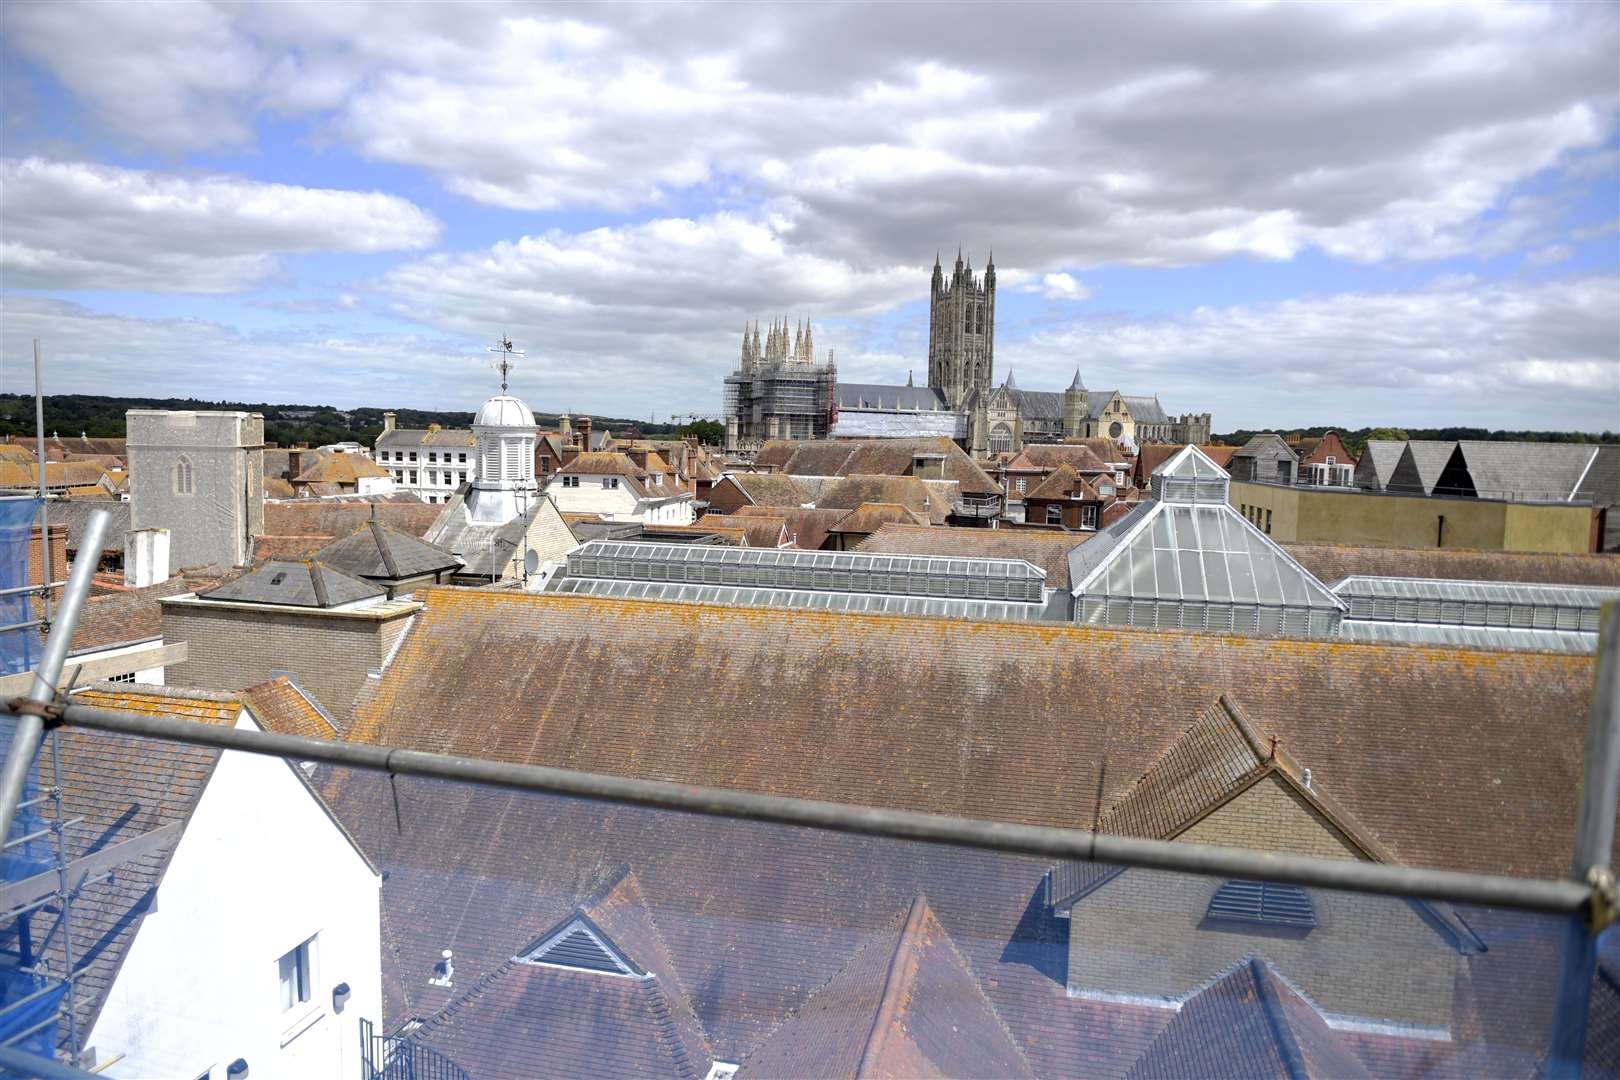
1372 958
328 653
59 559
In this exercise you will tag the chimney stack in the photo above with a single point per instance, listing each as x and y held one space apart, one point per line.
388 422
146 557
585 434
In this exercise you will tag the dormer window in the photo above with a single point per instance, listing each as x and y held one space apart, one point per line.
1262 903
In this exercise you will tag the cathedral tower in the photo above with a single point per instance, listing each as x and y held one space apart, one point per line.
961 331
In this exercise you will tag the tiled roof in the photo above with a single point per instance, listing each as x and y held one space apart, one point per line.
1334 562
123 617
807 527
434 436
375 551
867 518
887 457
16 452
1250 1023
1043 456
757 529
76 513
770 489
340 469
850 492
1375 718
277 488
285 708
58 474
301 583
906 1004
1064 483
333 518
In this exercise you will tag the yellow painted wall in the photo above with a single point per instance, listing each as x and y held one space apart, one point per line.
1348 517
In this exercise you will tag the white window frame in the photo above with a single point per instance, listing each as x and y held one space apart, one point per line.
295 974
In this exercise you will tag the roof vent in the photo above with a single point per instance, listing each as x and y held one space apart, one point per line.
580 945
1264 903
278 577
444 972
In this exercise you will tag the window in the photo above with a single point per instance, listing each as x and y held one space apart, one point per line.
1088 516
1119 476
1268 522
461 459
1262 902
610 481
1020 485
128 676
413 473
295 973
182 477
1331 460
413 455
1105 490
1054 514
461 478
1116 429
433 476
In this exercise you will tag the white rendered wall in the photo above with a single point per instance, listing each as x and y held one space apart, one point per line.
614 504
260 868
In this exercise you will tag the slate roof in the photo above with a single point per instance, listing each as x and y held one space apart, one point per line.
1516 470
524 1019
1419 466
76 513
1381 455
124 787
1037 404
1249 1023
884 396
1146 410
1335 562
860 424
906 1004
403 438
376 552
1047 550
1097 402
1601 485
484 550
301 583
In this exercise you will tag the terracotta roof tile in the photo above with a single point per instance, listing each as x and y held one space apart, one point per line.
1334 562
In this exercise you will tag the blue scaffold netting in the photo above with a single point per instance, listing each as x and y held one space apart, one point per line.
28 1001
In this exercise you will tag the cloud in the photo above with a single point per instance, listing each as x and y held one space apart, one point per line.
73 225
1546 256
1059 287
1512 355
1067 137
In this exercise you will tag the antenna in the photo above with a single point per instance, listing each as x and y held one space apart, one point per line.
503 349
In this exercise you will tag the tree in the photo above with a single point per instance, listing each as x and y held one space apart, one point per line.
708 432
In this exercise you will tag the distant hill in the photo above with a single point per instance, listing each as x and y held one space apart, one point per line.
103 417
1356 438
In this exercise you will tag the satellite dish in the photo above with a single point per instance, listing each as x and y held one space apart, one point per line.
531 562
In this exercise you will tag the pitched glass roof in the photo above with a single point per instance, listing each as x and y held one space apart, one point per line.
816 571
1204 553
1476 637
1189 476
1475 603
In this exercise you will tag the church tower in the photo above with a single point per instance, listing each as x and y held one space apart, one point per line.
961 331
1076 408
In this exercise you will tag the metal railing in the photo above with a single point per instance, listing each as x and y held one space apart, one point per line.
397 1057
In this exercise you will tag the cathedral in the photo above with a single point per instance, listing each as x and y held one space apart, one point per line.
779 391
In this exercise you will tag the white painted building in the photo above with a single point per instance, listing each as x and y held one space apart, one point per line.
260 939
613 486
431 462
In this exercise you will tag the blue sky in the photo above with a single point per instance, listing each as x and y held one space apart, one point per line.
1281 214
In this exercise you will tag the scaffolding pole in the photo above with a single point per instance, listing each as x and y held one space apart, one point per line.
44 501
1594 846
1562 897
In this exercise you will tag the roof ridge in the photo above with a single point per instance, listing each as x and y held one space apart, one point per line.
888 1004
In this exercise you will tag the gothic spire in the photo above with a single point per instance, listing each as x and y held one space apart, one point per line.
1077 384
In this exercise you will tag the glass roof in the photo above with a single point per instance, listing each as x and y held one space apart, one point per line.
1478 637
1191 463
789 557
871 603
1477 592
1201 552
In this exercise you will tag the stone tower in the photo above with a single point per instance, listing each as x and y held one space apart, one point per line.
1076 405
199 475
961 331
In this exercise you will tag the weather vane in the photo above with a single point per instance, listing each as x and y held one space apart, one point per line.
503 349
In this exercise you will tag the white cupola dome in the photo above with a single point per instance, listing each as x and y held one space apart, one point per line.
503 410
505 434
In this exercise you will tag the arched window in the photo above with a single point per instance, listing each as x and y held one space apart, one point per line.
1116 429
183 484
1001 439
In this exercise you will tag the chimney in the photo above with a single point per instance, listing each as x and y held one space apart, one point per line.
146 558
585 434
388 422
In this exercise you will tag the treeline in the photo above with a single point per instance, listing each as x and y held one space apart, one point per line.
1355 439
103 418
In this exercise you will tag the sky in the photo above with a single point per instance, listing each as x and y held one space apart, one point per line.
1282 214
